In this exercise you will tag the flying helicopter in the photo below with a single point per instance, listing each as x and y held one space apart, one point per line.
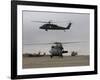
57 48
51 26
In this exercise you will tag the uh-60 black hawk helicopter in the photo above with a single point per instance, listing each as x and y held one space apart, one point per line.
51 26
57 49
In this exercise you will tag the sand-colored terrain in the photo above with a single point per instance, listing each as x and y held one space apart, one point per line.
46 61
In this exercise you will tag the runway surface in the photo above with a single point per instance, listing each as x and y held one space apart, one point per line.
46 61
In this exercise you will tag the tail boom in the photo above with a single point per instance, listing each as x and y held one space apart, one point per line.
69 25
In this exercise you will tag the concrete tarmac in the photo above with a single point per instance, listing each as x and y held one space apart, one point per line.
46 61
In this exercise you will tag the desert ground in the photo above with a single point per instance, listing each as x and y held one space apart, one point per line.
46 61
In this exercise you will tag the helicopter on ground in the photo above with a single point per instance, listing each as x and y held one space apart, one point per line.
56 48
51 26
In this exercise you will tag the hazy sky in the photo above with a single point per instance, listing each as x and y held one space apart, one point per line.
79 31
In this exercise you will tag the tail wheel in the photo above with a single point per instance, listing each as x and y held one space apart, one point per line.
46 29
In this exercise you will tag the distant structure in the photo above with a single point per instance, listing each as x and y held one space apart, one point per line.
44 54
39 53
74 53
34 54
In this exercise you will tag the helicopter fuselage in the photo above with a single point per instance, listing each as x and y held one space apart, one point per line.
57 50
50 26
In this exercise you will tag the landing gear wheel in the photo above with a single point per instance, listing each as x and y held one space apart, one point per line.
51 56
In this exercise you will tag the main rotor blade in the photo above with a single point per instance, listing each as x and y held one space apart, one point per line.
38 43
60 22
54 43
69 42
73 42
40 21
51 21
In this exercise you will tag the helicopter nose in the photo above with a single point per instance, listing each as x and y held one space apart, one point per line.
41 27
